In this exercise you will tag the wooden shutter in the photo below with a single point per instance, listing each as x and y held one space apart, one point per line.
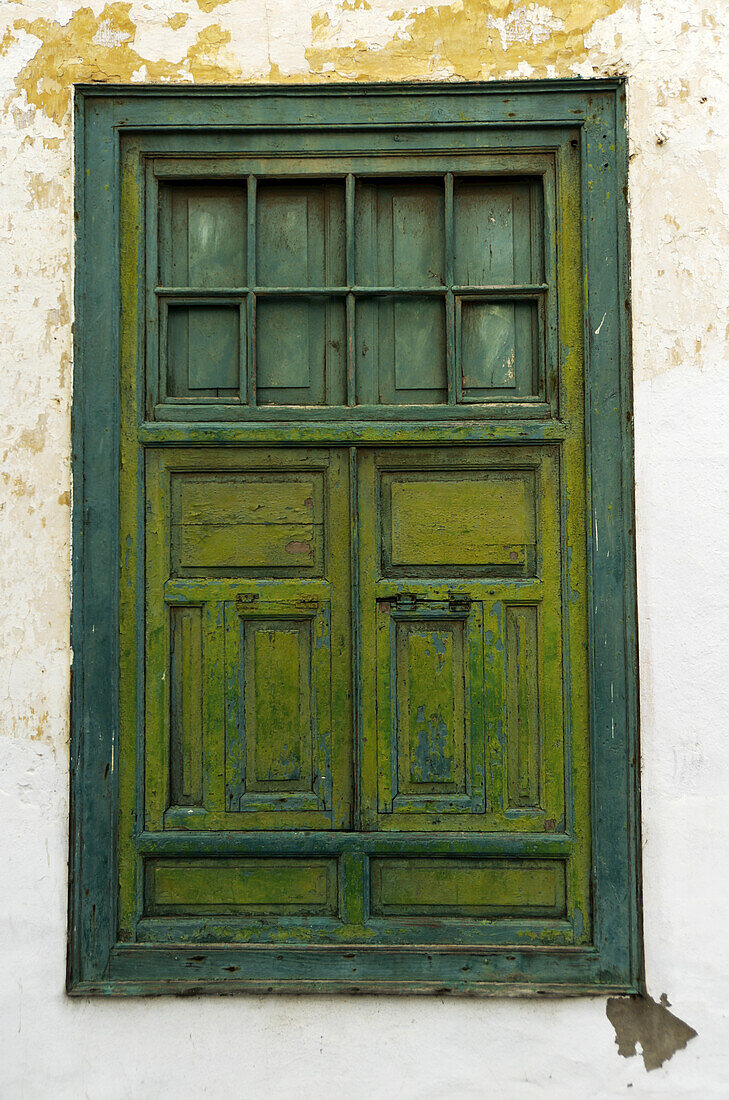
354 682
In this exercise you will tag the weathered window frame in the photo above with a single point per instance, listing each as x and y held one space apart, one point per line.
614 962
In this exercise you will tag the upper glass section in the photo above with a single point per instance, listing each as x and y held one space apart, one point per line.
350 291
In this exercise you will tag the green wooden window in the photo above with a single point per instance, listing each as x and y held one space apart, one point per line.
354 624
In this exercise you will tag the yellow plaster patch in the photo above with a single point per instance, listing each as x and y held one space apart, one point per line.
33 440
18 486
38 725
76 52
208 5
45 193
320 20
7 40
469 39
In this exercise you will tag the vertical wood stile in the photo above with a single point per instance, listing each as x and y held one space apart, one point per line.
213 697
234 761
356 640
157 229
157 687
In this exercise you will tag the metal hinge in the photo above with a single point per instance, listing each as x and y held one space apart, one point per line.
458 603
245 601
404 601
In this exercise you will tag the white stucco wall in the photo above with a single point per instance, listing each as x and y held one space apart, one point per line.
676 53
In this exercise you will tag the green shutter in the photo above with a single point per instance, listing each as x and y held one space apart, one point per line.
354 679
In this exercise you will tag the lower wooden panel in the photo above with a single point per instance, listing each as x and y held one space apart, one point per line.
186 713
523 725
140 969
430 707
463 888
241 887
350 888
247 586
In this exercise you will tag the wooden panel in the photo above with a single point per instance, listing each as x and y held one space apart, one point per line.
270 759
300 234
473 532
203 235
277 707
203 351
467 522
241 546
498 349
186 707
463 888
401 351
300 352
523 679
498 232
251 498
241 887
277 696
399 233
429 708
252 523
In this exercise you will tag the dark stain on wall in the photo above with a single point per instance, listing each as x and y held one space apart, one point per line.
648 1022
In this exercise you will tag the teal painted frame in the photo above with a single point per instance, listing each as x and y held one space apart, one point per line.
96 963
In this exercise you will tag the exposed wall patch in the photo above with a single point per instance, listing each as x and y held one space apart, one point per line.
641 1020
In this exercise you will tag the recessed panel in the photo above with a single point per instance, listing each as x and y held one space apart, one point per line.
300 234
277 712
186 706
457 889
263 525
300 352
399 233
204 351
467 522
240 887
431 708
401 351
498 349
498 232
276 693
203 235
523 726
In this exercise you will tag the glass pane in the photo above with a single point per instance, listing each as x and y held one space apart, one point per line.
300 234
498 349
399 233
498 232
401 351
300 352
203 233
203 351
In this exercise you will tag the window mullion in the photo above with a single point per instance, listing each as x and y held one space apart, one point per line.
450 300
349 250
251 297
